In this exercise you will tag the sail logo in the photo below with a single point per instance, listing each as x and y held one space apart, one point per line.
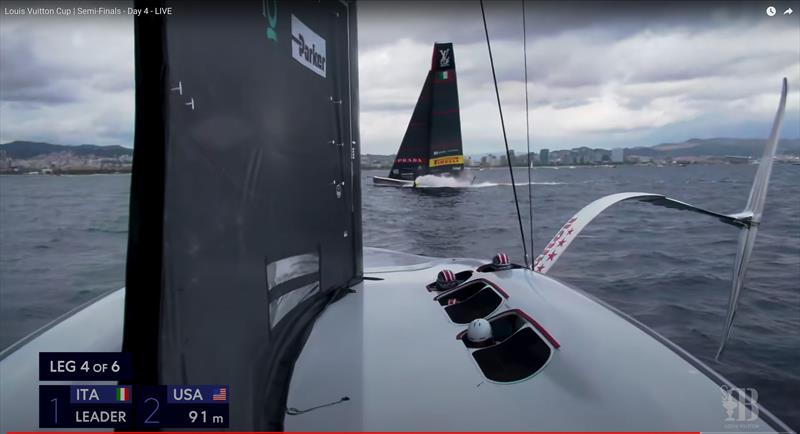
272 18
740 404
444 58
410 160
446 161
446 151
308 48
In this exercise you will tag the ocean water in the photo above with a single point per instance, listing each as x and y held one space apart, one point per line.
669 269
63 241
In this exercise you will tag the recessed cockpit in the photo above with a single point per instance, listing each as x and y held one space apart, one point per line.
503 326
518 347
476 299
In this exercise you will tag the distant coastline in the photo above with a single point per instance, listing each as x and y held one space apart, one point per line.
125 171
23 157
692 151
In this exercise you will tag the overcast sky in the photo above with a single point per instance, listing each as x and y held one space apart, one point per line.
601 75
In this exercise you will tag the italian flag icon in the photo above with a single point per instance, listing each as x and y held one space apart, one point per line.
443 75
124 393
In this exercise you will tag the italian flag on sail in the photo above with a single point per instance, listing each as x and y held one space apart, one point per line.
123 393
442 75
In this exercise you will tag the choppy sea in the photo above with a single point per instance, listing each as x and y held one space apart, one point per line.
63 241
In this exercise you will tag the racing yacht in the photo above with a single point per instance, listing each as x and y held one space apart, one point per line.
237 277
432 142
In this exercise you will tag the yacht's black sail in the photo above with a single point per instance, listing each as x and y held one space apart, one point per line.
412 157
432 142
245 202
445 154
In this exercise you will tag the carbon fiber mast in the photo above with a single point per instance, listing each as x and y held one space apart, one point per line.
432 142
231 255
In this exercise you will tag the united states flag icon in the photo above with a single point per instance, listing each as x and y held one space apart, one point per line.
220 394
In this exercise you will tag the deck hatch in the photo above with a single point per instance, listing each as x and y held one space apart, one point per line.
516 358
476 299
519 348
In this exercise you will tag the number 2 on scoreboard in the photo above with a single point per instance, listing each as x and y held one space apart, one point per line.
149 419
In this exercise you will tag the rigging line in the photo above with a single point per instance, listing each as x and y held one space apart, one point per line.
292 411
527 127
505 137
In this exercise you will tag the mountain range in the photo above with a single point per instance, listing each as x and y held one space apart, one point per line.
22 150
718 147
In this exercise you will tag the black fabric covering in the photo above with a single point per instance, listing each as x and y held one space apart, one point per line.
476 306
505 326
463 275
246 178
462 293
491 268
514 359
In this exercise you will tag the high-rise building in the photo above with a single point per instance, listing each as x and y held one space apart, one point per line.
617 155
544 156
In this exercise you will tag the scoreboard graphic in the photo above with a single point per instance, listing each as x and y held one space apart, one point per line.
121 406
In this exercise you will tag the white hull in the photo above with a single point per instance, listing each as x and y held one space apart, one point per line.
391 182
392 350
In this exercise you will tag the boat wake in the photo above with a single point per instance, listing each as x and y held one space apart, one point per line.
434 181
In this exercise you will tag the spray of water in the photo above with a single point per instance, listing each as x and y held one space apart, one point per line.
433 181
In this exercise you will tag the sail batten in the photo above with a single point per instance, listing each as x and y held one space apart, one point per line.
432 142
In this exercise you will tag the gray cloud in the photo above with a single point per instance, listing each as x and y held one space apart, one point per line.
26 77
601 74
66 80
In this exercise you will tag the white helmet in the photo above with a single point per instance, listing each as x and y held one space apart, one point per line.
479 330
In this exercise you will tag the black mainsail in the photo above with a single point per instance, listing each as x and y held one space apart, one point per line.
432 142
229 260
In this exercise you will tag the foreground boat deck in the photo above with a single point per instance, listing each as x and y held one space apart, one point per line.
393 352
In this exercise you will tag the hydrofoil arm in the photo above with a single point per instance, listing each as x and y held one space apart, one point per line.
558 245
747 220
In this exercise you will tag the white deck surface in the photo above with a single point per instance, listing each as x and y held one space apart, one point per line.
392 350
